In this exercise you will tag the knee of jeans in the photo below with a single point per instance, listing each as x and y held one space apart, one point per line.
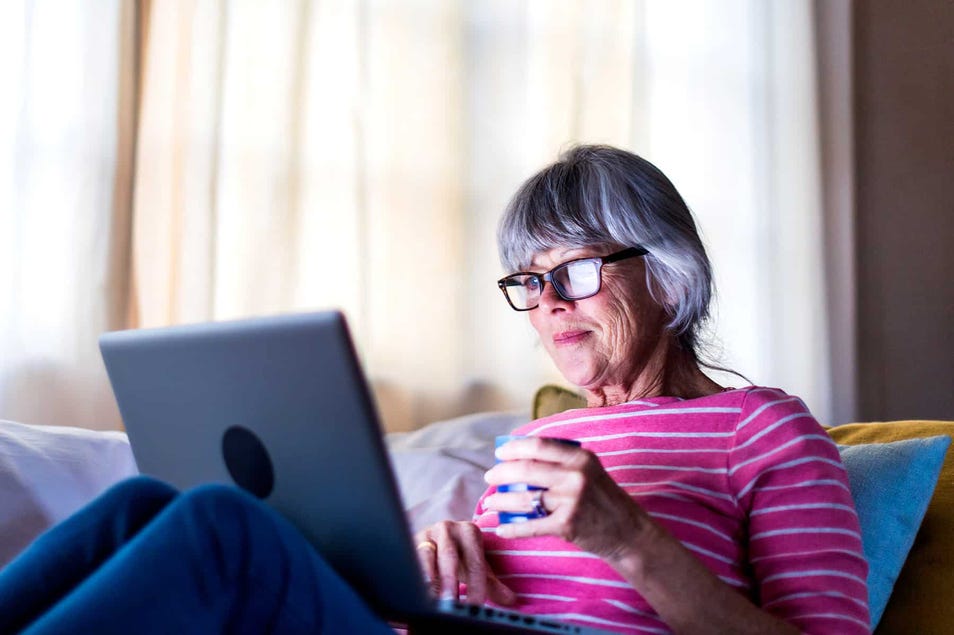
221 521
216 505
142 488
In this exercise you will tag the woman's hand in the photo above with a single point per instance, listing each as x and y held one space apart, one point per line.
453 552
585 505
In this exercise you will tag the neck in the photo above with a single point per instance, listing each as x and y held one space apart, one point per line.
670 371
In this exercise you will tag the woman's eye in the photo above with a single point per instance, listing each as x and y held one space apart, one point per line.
532 284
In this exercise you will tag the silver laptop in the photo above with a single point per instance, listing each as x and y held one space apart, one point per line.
280 407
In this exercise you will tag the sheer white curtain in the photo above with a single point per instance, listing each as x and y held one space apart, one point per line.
732 107
65 141
357 154
301 155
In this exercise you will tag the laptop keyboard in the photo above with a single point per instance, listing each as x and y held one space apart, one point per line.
510 618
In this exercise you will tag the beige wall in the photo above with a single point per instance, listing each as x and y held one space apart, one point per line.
904 153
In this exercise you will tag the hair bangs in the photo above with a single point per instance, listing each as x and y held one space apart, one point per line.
553 209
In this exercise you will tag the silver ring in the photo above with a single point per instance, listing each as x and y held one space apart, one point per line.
537 507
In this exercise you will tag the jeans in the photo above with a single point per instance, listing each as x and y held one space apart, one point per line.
144 558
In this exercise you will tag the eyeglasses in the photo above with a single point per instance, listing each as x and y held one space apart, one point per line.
573 280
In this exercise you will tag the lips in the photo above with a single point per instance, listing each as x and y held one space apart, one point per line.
566 338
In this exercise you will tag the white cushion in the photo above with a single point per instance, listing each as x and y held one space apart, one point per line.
48 472
440 468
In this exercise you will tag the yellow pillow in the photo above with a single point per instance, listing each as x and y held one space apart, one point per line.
919 602
551 399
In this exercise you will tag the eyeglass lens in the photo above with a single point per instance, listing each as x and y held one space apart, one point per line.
573 281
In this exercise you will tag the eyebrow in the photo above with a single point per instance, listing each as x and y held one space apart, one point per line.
563 256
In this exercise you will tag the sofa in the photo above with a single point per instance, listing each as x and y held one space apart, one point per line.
901 475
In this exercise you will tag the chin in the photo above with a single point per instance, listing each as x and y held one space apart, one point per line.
581 370
579 377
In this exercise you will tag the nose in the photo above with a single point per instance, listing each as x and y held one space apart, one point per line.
550 300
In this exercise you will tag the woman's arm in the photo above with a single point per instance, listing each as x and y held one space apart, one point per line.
804 542
687 596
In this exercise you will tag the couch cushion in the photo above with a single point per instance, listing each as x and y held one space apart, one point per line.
918 603
891 484
552 399
440 467
47 472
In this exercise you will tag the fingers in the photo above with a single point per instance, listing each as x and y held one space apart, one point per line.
427 557
522 502
539 448
472 566
556 506
548 526
582 501
499 592
448 560
565 475
547 475
451 553
537 460
584 505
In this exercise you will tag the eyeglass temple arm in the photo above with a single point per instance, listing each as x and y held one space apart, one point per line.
626 253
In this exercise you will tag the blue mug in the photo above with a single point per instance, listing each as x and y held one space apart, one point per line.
521 517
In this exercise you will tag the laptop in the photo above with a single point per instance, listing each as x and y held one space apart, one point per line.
279 406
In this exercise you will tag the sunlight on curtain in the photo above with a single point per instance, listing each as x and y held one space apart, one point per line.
302 155
732 114
61 206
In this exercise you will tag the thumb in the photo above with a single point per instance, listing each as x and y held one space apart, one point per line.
499 592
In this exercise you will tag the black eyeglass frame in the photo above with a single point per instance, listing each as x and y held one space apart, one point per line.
543 278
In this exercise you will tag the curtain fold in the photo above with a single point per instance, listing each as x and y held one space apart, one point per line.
66 138
358 155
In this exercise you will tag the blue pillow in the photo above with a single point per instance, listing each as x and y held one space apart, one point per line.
891 484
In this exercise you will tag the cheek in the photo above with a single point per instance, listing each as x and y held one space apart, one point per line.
535 322
631 318
624 329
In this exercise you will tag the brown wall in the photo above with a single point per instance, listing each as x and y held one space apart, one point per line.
904 153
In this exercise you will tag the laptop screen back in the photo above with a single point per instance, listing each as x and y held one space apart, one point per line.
279 406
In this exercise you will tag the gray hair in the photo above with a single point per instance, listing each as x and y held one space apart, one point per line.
596 195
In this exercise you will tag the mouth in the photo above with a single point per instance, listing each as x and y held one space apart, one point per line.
567 338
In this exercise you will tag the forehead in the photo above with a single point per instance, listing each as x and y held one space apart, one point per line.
552 257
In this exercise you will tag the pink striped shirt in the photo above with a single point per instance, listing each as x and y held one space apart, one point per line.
746 479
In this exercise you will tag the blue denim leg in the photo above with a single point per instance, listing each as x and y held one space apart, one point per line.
60 559
215 560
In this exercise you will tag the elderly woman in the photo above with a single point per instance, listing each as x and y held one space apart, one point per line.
683 507
690 507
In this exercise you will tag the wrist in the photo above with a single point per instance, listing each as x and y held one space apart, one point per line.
634 558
